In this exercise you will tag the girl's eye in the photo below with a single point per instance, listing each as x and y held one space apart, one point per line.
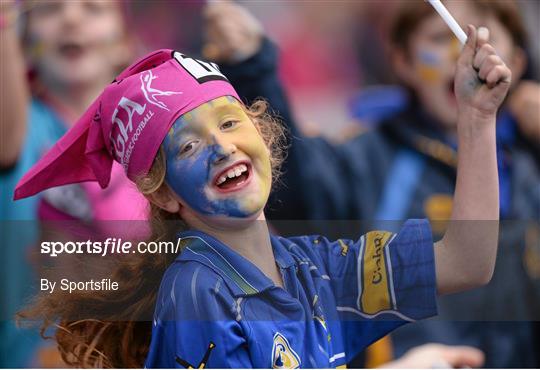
187 148
228 124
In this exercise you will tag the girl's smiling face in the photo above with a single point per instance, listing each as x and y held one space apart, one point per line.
217 162
433 51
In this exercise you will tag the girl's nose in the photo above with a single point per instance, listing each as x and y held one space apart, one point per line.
222 149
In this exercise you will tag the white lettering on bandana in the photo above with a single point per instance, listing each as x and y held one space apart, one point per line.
200 70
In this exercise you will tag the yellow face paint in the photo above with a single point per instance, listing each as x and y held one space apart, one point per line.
429 66
455 49
217 162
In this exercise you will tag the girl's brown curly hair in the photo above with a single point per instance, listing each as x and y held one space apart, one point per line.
120 337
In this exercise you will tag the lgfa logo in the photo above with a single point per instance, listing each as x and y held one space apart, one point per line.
283 356
151 94
130 107
122 149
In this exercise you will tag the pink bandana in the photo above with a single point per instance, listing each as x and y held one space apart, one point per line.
128 121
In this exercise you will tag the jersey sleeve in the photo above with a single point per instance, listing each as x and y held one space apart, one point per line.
193 324
379 282
386 275
382 275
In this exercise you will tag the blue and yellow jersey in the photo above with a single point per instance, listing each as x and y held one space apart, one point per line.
216 309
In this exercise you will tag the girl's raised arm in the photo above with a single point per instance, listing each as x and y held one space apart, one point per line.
465 257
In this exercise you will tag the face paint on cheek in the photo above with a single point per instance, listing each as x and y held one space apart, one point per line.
36 46
455 49
429 66
190 179
262 170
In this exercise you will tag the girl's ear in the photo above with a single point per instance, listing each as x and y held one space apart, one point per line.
164 199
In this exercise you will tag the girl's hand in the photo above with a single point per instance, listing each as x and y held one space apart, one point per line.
482 79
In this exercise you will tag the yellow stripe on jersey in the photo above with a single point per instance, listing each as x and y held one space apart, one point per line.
375 294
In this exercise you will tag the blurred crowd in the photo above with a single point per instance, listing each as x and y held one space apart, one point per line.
365 89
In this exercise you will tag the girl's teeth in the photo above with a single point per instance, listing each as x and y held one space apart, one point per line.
233 172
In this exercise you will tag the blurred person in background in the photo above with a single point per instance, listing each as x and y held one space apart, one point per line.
413 154
422 148
168 23
310 35
65 53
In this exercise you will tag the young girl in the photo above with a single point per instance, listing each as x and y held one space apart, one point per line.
237 296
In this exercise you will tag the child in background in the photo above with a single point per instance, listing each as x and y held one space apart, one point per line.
237 296
495 318
72 49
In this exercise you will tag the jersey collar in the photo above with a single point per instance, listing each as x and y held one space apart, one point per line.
241 275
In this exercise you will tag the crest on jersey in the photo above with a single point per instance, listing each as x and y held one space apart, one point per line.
283 356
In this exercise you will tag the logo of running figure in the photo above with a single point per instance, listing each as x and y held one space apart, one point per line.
152 94
202 364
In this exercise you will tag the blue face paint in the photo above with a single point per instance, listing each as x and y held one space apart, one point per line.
190 177
428 58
